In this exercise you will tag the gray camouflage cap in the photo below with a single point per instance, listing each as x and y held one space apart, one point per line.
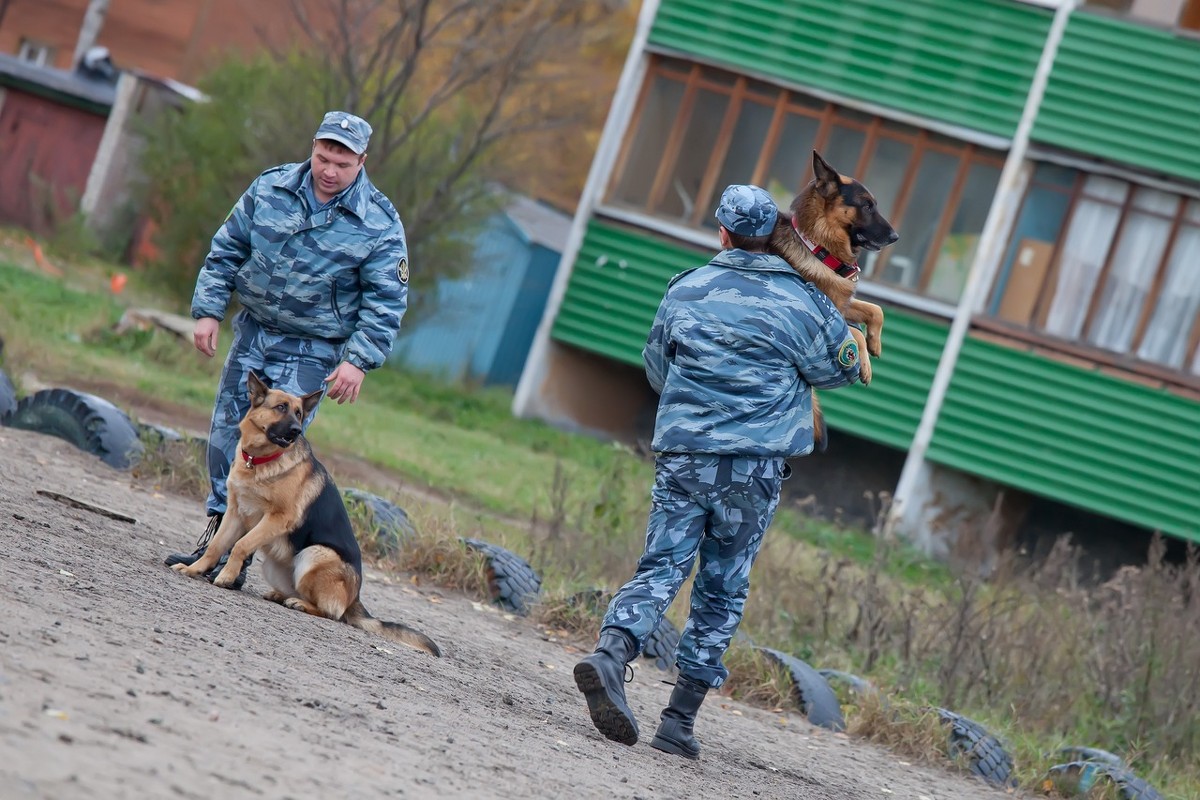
352 131
747 210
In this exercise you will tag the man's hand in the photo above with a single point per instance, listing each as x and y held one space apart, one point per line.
345 382
205 335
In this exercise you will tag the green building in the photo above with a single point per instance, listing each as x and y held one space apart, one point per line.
1041 161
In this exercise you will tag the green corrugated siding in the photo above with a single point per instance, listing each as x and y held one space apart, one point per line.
967 62
608 309
1127 93
1074 435
889 410
618 279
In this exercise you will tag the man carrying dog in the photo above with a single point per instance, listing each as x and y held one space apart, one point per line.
733 353
318 258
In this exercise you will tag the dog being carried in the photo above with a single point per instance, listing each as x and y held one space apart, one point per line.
284 505
832 219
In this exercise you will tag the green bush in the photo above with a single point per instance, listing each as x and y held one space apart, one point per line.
262 113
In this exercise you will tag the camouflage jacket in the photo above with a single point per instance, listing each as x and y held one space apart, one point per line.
339 274
734 351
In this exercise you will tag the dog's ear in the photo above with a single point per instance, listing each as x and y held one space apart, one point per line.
310 400
827 177
258 389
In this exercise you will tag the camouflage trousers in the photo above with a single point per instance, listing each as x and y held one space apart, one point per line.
715 507
291 363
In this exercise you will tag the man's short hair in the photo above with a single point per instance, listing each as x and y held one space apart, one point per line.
338 147
751 244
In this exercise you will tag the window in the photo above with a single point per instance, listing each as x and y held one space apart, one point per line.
35 52
698 129
1106 263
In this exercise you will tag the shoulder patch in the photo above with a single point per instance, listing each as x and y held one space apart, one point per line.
402 272
847 355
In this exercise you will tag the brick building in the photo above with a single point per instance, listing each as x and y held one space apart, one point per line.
168 38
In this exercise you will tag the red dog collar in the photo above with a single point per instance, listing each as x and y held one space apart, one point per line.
836 264
254 461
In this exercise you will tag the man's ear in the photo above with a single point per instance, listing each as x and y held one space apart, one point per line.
258 389
826 176
310 400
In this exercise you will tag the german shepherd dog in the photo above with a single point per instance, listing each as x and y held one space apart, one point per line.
828 224
283 504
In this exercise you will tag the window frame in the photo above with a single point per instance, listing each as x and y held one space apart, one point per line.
44 53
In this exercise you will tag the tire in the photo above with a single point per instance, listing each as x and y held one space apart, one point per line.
8 396
393 528
660 645
1073 753
92 424
514 584
983 753
1078 778
812 693
157 435
860 686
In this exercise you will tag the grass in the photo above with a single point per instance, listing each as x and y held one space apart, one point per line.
1036 654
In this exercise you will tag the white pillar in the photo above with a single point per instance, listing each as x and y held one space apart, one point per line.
89 31
623 102
111 141
912 491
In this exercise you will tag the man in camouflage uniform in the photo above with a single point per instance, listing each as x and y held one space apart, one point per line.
733 353
318 258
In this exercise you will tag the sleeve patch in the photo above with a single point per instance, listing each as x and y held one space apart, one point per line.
847 355
402 271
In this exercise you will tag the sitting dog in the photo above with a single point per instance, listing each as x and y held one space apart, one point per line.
832 219
283 504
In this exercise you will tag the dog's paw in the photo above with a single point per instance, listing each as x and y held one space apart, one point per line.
226 577
864 371
874 346
186 569
276 597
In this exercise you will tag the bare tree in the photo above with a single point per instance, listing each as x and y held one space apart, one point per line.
501 75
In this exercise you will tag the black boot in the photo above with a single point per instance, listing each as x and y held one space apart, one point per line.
675 731
601 678
214 522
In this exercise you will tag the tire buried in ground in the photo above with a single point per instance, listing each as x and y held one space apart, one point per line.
857 685
393 529
983 754
8 396
659 647
1078 778
812 693
91 423
514 584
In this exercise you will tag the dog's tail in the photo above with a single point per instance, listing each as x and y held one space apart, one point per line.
358 616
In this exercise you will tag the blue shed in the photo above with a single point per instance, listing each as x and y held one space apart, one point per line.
482 324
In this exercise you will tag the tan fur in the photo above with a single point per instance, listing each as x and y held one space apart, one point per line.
824 220
266 503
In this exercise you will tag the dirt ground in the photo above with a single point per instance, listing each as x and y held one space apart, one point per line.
122 679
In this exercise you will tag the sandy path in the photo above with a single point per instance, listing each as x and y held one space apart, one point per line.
121 679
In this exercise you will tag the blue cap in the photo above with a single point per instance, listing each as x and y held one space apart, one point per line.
352 131
747 210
